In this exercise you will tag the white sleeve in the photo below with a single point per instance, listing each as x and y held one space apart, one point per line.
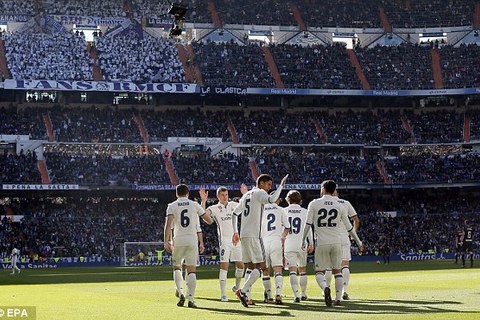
240 207
285 222
351 210
310 214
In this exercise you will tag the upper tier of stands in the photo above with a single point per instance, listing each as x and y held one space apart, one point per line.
315 13
149 59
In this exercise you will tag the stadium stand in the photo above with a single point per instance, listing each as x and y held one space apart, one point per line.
405 66
51 57
85 8
139 59
460 66
94 125
324 67
230 64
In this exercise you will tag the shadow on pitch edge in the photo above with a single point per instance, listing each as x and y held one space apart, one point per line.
390 307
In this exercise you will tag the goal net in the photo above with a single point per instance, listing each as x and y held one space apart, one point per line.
142 253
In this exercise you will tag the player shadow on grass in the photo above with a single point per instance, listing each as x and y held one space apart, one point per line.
392 306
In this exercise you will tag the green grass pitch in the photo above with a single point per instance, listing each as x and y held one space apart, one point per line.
401 290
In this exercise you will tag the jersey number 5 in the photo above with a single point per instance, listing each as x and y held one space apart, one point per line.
246 212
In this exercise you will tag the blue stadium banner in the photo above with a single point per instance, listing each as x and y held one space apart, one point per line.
113 86
372 93
40 187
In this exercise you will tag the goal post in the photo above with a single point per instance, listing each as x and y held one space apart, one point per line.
138 253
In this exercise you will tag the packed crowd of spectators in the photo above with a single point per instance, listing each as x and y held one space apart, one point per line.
314 165
461 66
202 167
99 226
27 121
148 59
19 168
432 168
94 125
104 170
364 127
249 12
328 13
324 67
275 127
85 8
406 66
232 65
86 226
340 13
26 7
161 124
369 127
437 127
429 13
315 13
40 56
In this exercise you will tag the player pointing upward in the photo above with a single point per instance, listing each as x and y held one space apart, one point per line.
251 208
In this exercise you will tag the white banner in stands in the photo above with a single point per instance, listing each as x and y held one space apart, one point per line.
113 86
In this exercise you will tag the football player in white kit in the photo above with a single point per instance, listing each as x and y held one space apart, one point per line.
251 207
295 256
275 231
221 213
15 255
182 214
327 214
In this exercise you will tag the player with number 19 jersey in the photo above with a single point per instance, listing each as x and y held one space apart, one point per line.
297 216
185 221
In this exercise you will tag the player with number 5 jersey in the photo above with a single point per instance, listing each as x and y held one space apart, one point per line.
251 207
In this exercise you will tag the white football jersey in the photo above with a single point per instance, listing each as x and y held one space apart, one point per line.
186 223
251 208
328 216
15 252
297 217
222 215
350 211
274 222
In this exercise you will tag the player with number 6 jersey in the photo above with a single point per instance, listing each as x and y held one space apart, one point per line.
183 215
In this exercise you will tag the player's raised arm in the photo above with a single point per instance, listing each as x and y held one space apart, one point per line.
203 197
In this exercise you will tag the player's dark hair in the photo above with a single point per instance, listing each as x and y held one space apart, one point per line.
294 197
263 178
182 190
330 186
